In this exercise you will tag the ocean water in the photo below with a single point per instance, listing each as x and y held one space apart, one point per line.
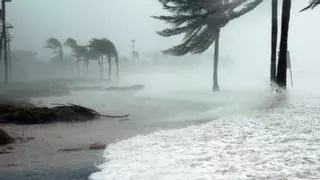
250 133
265 140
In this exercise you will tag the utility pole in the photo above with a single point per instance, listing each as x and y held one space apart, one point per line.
10 37
5 40
133 51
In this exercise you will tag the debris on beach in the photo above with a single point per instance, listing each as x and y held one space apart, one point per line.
5 138
24 139
27 113
70 150
97 146
94 146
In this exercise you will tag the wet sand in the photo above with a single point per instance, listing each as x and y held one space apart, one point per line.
169 100
40 158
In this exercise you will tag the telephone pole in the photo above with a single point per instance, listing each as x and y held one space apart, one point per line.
10 37
133 51
5 39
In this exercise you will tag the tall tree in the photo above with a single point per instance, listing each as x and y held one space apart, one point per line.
283 49
107 49
56 46
79 52
274 41
200 21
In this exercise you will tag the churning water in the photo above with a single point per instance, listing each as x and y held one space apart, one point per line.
251 134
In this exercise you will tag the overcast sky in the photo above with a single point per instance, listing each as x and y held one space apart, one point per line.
123 20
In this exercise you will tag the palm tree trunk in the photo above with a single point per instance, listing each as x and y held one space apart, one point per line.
274 40
87 66
102 66
282 62
215 86
1 45
117 67
110 69
78 66
99 65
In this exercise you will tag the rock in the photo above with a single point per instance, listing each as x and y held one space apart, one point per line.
5 138
97 146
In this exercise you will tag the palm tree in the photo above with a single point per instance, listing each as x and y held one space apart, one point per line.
79 52
94 54
106 48
274 40
56 46
283 49
201 21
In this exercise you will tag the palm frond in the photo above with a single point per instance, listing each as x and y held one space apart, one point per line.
198 42
53 43
104 46
71 42
199 21
312 5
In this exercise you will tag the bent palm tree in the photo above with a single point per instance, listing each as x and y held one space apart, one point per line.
56 46
106 48
200 21
79 52
283 49
274 40
93 54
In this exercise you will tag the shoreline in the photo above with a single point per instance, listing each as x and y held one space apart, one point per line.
40 158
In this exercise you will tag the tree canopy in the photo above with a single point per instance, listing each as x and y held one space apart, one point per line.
199 21
103 46
56 46
53 43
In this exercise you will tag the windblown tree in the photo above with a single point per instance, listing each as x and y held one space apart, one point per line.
56 46
281 79
79 52
107 49
201 21
274 41
94 54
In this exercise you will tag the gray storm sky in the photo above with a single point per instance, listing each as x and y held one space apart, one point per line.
117 20
123 20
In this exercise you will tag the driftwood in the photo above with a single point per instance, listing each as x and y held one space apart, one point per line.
25 113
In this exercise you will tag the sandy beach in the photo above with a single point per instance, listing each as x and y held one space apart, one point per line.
41 157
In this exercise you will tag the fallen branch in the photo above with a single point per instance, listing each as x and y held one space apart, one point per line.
30 114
